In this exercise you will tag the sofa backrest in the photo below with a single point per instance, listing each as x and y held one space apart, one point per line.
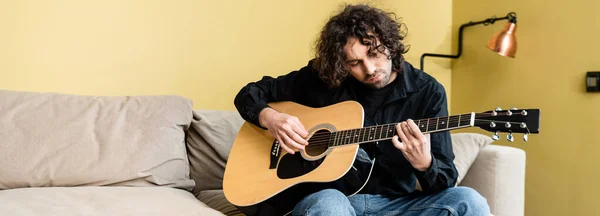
50 139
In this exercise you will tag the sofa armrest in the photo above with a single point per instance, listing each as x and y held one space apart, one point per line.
498 174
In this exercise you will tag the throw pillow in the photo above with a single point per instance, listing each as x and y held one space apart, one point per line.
466 147
208 141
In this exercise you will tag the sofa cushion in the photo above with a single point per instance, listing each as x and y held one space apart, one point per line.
50 139
466 147
94 200
209 140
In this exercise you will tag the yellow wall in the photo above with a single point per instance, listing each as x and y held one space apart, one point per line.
203 50
557 44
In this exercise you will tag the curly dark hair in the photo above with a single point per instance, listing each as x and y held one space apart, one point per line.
363 22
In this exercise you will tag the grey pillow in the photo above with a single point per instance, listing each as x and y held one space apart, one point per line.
209 140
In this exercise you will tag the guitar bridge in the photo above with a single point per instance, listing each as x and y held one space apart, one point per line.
275 150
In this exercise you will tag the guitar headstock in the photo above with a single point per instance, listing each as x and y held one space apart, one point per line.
525 121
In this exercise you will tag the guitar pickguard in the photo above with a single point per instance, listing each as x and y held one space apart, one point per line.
294 165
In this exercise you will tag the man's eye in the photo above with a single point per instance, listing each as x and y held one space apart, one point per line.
353 63
373 54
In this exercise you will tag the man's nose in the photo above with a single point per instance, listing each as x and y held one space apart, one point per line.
370 67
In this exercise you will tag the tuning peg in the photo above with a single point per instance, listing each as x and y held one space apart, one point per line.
514 108
526 137
495 136
498 109
510 137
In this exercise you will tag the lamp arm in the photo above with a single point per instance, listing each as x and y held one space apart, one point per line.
512 17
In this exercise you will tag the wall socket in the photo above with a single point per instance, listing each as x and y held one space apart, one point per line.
592 81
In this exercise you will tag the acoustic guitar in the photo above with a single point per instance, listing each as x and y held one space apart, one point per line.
260 178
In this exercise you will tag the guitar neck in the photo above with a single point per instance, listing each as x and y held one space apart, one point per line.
387 131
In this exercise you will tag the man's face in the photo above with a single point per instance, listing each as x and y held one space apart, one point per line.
372 69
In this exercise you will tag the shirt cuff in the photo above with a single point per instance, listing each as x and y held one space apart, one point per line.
254 112
429 174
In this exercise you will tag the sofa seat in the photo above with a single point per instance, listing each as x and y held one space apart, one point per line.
101 201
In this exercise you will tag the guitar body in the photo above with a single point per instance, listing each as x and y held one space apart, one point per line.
259 175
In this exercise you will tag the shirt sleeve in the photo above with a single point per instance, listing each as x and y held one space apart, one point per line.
442 173
255 96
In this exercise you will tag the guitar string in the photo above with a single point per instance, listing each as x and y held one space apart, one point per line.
316 145
378 131
325 138
451 120
325 142
366 130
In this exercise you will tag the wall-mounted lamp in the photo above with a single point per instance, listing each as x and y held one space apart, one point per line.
503 42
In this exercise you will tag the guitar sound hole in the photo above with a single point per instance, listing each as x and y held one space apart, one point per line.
318 143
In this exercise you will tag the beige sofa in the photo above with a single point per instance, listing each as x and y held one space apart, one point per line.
154 155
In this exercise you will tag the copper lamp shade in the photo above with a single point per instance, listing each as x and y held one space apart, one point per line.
505 41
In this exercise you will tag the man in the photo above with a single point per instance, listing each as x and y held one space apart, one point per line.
359 57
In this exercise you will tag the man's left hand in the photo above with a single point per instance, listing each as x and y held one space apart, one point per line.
415 146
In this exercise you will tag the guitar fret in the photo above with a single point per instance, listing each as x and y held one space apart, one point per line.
437 123
360 135
347 137
335 134
375 132
387 131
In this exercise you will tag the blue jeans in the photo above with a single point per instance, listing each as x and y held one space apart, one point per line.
452 201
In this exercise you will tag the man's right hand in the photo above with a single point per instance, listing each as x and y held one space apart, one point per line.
287 129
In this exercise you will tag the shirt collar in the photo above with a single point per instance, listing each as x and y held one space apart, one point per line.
408 84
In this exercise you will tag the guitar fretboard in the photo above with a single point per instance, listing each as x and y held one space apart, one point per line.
387 131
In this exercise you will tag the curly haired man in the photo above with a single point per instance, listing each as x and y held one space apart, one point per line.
359 56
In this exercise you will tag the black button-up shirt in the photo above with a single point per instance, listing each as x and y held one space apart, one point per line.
414 94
